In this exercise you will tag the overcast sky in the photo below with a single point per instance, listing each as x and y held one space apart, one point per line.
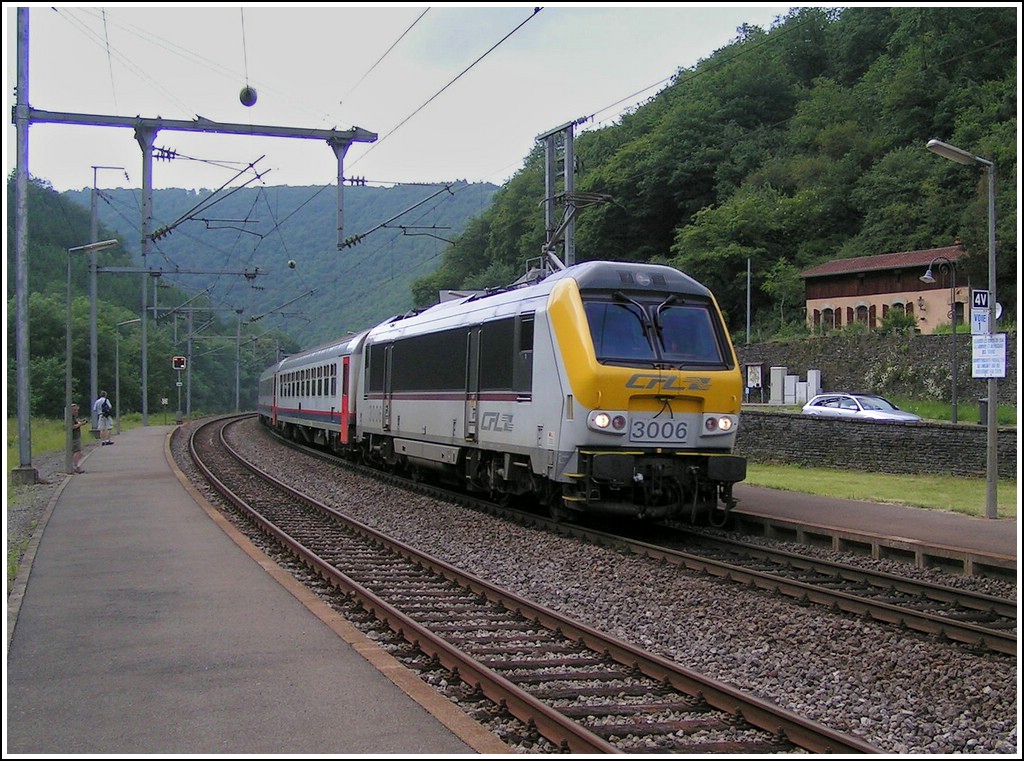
453 91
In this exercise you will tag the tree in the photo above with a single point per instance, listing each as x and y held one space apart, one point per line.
786 287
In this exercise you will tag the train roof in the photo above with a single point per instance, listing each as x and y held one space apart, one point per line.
335 348
634 277
606 275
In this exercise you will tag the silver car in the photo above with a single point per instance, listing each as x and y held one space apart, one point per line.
857 407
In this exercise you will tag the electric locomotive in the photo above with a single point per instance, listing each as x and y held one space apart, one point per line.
604 387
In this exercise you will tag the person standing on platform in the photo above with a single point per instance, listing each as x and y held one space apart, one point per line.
104 417
76 439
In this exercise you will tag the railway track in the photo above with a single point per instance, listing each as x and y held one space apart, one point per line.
581 690
960 616
978 620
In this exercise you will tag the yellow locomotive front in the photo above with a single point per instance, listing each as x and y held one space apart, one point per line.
654 374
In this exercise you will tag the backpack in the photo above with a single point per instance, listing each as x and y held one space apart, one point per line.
106 408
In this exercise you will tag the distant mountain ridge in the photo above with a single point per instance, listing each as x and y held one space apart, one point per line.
240 245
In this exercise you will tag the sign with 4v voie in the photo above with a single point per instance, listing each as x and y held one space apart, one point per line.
979 312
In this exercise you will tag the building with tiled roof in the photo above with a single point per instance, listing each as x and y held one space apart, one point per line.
866 288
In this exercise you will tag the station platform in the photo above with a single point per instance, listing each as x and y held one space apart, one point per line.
147 624
983 535
957 542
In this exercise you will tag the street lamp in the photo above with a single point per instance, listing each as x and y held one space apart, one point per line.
961 156
948 265
117 371
99 246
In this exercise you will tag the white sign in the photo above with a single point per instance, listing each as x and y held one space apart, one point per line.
753 376
989 356
979 321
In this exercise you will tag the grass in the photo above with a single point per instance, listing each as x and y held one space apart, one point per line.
48 436
966 412
952 493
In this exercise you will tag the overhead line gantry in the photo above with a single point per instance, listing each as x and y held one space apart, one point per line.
146 130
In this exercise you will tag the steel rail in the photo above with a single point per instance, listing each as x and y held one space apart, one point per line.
767 716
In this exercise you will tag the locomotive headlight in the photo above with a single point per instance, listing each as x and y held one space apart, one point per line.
607 422
718 424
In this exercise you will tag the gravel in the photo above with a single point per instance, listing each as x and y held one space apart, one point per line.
27 506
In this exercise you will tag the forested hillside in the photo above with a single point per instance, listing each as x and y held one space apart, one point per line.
56 224
787 148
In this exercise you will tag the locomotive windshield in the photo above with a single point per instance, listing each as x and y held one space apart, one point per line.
669 332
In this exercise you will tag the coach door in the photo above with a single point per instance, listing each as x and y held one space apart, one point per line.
472 382
386 410
273 400
343 426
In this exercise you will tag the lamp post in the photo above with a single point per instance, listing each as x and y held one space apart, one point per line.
117 371
967 158
945 263
98 246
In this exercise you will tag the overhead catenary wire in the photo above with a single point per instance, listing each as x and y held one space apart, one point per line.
385 55
245 52
455 79
110 63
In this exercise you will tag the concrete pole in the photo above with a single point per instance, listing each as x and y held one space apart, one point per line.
25 473
94 422
145 138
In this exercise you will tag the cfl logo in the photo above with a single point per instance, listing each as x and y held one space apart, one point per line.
651 382
500 423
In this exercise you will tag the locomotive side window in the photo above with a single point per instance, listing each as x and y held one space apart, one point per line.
431 362
497 349
375 369
522 373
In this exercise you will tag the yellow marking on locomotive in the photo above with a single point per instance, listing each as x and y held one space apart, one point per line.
598 386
